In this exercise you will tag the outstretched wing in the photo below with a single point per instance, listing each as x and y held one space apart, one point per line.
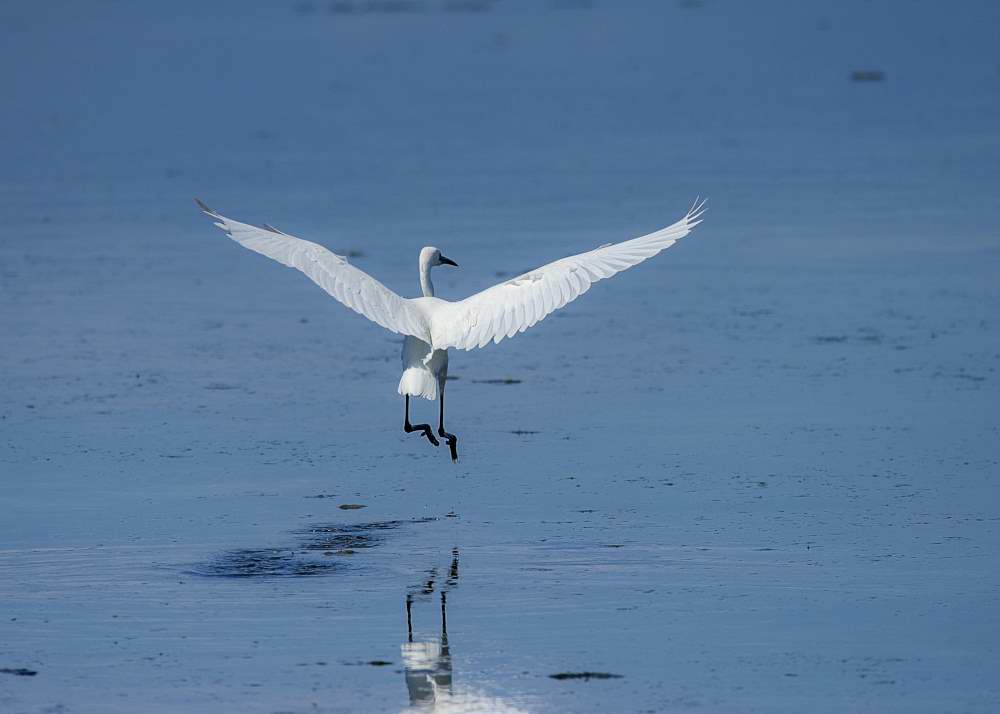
351 286
517 304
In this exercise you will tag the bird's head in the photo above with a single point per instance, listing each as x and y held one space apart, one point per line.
431 256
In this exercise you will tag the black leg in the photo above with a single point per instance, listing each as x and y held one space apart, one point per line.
444 622
451 438
453 571
425 428
409 619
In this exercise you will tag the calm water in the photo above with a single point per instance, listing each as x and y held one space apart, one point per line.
754 474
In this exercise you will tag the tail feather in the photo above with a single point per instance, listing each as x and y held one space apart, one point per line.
417 382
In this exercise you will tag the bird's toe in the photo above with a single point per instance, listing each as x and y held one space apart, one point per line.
452 445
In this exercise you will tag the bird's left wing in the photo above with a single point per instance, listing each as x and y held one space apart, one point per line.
353 287
517 304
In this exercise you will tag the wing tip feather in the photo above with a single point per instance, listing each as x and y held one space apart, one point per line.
696 211
205 209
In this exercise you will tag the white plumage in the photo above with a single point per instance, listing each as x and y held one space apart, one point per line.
431 325
423 369
516 304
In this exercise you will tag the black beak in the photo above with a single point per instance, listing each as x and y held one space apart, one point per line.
448 261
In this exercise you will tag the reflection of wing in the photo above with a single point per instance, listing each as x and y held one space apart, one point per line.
428 671
515 305
429 681
351 286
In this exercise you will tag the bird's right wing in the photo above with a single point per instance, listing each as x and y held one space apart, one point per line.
353 287
517 304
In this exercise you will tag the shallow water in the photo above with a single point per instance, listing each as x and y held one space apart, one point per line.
754 474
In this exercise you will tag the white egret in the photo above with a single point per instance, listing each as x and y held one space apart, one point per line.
430 325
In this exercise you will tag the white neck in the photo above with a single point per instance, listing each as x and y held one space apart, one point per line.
425 279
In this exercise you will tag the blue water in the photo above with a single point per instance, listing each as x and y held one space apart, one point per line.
756 473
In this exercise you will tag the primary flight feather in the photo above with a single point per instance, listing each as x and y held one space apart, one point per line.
431 325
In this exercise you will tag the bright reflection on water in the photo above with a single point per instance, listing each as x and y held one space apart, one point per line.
427 661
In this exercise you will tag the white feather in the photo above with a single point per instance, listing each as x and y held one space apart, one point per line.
516 304
351 286
433 325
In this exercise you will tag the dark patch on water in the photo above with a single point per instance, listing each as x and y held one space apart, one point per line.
18 671
866 335
351 506
351 537
505 380
867 75
523 432
869 335
313 556
322 495
585 676
971 377
761 312
264 563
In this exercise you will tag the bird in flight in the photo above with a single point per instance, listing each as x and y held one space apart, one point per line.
430 325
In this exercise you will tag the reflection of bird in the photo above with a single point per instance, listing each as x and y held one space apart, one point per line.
427 662
430 325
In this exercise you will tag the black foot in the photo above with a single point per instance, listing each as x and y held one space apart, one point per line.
452 443
425 428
